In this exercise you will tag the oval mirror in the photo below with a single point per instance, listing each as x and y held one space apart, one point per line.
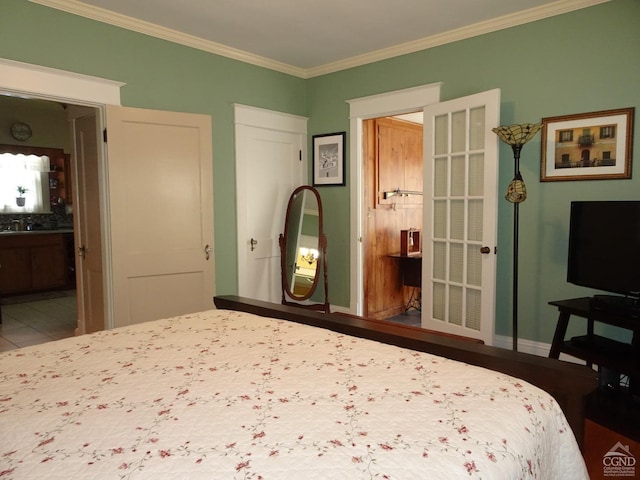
303 249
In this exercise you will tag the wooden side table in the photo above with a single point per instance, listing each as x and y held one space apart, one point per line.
411 268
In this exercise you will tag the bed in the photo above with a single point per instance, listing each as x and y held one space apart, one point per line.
237 393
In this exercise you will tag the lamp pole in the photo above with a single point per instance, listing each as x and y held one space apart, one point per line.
516 232
516 136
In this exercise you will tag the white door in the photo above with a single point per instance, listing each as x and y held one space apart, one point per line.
460 215
87 222
160 185
270 164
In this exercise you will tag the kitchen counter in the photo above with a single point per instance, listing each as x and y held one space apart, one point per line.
34 232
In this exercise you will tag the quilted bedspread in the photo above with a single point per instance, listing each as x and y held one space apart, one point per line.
229 395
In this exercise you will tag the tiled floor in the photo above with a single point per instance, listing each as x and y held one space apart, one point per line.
25 324
412 317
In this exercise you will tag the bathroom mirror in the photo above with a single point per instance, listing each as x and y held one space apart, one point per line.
303 248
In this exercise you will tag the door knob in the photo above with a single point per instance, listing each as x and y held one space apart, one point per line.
82 251
485 250
207 251
253 244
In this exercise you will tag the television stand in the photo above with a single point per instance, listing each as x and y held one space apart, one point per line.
594 349
611 413
617 304
611 356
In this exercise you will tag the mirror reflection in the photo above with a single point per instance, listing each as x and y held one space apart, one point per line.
302 244
303 250
306 268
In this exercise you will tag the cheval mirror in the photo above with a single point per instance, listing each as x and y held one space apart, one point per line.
303 252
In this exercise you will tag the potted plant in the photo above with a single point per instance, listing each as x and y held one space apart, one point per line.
20 199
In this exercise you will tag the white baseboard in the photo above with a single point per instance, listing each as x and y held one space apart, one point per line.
540 349
339 309
529 346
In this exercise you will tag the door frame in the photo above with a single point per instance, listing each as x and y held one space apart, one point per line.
382 105
36 81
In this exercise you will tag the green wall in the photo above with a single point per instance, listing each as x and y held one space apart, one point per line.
158 75
48 121
582 61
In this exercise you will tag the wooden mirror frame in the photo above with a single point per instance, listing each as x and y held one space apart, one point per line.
288 295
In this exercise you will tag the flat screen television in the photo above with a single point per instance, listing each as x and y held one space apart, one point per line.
604 249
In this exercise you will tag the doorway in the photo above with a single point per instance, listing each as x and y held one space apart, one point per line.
361 109
392 155
124 224
460 201
76 209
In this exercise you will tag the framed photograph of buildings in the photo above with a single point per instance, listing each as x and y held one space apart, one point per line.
587 146
328 159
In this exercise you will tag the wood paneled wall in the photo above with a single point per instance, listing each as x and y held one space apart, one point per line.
392 155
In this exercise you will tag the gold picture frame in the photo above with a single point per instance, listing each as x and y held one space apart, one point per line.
587 146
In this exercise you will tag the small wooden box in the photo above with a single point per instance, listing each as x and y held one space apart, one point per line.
410 242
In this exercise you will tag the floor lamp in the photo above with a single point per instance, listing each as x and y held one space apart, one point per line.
516 136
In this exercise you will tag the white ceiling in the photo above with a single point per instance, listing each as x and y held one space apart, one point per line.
312 37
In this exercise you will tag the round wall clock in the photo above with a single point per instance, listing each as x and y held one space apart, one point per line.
21 131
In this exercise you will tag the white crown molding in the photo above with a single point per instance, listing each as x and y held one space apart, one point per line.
133 24
538 13
489 26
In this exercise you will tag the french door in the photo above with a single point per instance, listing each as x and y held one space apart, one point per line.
460 215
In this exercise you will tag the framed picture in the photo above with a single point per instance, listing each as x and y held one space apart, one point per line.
328 159
587 146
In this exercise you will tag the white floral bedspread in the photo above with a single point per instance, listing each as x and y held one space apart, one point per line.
227 395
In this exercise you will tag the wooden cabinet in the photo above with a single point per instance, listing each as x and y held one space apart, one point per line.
34 262
48 265
15 268
60 179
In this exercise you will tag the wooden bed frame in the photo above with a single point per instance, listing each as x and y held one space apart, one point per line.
568 383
